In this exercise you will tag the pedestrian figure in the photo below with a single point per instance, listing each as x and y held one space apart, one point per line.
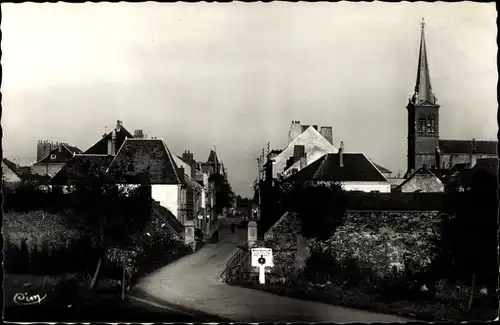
231 229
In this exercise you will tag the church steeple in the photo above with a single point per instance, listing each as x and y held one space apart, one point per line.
423 90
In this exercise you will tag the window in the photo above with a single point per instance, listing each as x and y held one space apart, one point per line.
52 156
431 125
421 126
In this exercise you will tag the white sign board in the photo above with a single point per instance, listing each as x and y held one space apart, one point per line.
262 258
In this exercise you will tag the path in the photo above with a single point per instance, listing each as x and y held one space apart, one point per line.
193 282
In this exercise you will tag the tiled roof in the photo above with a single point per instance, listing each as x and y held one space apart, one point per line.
382 169
101 147
192 183
59 155
356 168
489 165
464 146
79 167
168 217
212 157
144 161
12 166
422 172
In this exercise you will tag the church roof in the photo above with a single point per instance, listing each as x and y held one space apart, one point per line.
356 168
423 88
465 146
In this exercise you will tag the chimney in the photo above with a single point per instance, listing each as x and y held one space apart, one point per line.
118 125
269 170
112 144
60 147
327 133
180 173
438 157
295 131
138 134
341 154
473 157
298 152
303 161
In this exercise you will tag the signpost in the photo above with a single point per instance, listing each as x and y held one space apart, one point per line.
262 257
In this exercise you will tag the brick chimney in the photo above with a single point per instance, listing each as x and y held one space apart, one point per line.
438 157
60 147
180 173
187 156
341 154
112 144
138 134
119 125
327 133
295 131
298 152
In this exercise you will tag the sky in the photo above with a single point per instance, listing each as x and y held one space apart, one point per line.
237 74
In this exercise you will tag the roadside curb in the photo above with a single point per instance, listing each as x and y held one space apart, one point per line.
139 295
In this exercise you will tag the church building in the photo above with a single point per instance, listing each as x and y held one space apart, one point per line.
425 148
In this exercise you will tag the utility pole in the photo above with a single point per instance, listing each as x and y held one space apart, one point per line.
268 148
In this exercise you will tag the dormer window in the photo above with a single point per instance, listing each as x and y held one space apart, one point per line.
52 156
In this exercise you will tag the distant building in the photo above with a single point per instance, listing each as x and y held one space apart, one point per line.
353 171
304 141
423 181
54 157
111 142
424 145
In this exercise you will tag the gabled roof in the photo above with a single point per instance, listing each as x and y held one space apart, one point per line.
101 147
13 167
312 154
80 167
356 168
142 161
382 169
310 138
212 158
59 155
192 183
422 172
489 165
165 214
465 146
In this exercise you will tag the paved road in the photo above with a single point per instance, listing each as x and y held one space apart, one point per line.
193 283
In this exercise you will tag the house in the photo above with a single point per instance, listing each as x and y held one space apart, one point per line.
78 168
463 179
149 161
423 181
310 143
354 171
55 159
424 143
386 172
11 176
111 141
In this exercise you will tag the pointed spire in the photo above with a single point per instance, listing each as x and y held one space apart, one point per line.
423 89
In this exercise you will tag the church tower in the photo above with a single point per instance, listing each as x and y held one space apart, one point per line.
423 116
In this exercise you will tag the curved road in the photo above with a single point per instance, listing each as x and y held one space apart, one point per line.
193 283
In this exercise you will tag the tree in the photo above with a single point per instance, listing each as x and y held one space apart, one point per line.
320 206
110 214
223 192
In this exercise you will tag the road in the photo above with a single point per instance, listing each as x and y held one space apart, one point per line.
193 283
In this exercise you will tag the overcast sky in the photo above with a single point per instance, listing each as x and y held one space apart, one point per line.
239 73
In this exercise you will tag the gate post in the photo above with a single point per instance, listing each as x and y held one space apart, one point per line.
252 233
189 238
